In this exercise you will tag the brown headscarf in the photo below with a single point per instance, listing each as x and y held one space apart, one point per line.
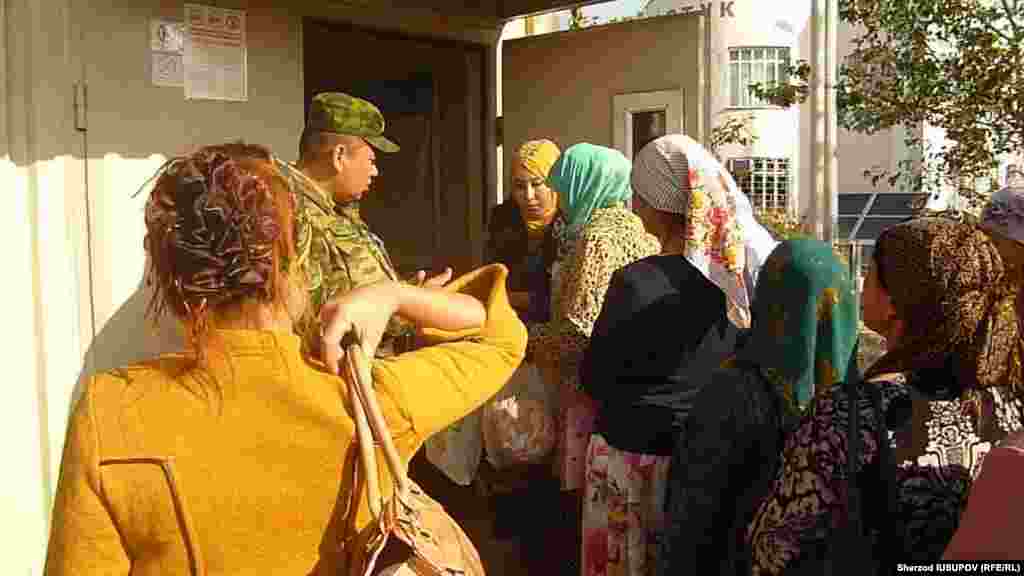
948 283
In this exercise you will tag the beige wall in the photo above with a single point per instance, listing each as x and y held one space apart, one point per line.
561 85
134 126
540 24
75 259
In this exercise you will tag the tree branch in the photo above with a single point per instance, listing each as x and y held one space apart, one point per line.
991 26
1011 17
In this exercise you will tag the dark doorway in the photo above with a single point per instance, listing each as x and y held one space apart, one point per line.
647 127
429 202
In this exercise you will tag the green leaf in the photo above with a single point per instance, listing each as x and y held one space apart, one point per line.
957 65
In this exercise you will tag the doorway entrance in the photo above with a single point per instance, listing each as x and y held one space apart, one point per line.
429 202
644 116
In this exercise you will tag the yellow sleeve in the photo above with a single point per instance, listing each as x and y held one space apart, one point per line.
440 384
83 539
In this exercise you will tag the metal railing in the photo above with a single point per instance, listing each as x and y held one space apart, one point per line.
857 254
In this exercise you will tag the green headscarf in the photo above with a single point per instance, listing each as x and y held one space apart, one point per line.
589 177
804 322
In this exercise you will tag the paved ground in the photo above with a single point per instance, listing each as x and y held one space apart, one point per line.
474 514
501 557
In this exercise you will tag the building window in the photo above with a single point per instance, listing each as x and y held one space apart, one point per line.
754 66
766 181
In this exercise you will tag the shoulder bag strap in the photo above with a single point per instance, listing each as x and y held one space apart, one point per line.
890 534
844 549
367 449
857 540
362 383
854 526
853 453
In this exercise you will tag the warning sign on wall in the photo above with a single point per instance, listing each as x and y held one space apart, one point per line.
215 54
167 53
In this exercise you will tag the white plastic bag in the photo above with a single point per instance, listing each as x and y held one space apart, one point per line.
456 450
518 424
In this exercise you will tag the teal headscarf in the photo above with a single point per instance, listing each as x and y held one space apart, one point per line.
589 177
805 322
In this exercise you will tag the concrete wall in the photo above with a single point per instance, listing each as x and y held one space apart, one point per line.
72 231
561 86
540 24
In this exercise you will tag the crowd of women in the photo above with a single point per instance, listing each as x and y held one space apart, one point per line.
710 415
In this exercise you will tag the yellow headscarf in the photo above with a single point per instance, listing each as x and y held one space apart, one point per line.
538 156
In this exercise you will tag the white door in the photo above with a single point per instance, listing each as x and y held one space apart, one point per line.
42 173
640 117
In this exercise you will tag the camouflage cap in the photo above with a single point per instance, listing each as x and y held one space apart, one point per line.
343 114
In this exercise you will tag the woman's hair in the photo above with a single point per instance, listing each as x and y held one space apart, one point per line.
219 235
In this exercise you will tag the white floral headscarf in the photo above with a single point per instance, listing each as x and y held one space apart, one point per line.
676 174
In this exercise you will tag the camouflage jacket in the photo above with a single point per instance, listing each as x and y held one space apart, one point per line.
338 252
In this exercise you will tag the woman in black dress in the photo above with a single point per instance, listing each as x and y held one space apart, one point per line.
666 321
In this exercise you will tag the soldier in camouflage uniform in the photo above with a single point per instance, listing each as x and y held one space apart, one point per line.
337 249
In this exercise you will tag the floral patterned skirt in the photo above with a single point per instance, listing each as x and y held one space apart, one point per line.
576 415
623 511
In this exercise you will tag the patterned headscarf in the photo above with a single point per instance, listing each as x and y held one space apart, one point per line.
723 240
1004 213
805 319
538 156
1003 217
587 178
218 226
948 284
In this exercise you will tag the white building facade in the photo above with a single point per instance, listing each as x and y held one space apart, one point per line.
754 41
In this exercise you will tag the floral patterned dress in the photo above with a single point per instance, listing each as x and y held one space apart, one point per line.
623 510
637 375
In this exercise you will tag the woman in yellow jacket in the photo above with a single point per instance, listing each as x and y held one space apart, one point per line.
238 456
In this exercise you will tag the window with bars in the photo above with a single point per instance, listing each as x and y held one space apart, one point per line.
766 181
753 66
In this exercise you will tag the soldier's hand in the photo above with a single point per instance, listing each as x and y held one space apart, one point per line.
438 281
365 312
